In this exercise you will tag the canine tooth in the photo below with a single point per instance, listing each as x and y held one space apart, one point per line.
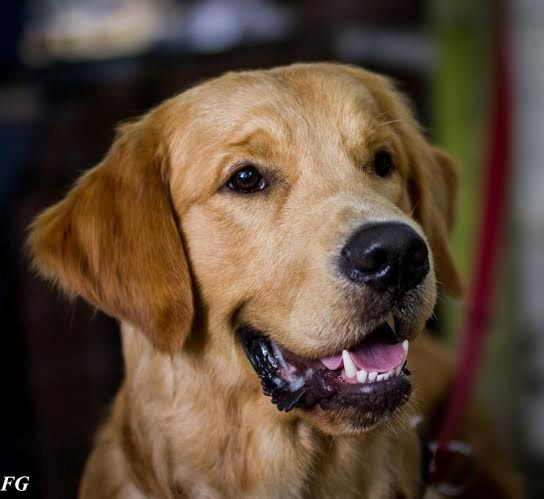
405 345
349 366
385 375
398 370
372 376
380 377
391 322
362 376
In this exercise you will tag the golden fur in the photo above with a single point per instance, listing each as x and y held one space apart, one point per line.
152 237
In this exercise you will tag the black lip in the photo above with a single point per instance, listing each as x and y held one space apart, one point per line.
314 385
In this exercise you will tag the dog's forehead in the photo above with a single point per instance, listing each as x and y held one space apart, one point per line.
282 100
281 115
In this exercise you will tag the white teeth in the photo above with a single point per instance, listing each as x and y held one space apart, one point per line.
349 366
391 322
362 376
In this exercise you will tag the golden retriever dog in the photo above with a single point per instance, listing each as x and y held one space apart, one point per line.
271 243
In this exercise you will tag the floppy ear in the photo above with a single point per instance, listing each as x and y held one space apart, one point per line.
114 240
437 211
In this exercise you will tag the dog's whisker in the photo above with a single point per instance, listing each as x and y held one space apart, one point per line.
391 122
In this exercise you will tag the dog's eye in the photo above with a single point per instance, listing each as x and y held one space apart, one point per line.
248 179
383 164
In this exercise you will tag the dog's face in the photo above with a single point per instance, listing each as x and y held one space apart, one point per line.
295 217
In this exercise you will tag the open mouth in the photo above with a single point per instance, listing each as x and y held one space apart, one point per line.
370 377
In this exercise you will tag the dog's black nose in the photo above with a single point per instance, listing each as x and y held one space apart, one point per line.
386 256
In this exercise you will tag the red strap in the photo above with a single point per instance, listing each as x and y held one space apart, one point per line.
488 244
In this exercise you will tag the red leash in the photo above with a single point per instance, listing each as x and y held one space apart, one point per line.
488 246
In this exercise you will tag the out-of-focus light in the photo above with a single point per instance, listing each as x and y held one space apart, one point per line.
217 25
214 26
78 30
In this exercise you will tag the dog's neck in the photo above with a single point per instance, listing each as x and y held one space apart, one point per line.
219 443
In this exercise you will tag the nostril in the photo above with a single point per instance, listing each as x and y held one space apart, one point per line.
372 260
418 255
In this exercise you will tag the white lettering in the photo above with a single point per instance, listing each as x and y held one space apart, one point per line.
21 487
8 480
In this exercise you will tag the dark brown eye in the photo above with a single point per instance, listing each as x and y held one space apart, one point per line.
246 180
383 164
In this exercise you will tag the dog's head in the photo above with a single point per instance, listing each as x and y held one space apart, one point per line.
296 217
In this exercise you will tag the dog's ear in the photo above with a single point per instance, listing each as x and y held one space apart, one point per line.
114 240
436 207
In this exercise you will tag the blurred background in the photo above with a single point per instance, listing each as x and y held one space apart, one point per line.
71 69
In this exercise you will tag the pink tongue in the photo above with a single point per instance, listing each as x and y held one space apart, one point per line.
334 362
377 356
372 356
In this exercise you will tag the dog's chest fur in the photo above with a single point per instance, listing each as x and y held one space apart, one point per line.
183 440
